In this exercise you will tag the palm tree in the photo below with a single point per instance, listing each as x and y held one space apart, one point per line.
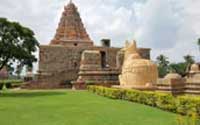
162 60
189 60
163 65
198 43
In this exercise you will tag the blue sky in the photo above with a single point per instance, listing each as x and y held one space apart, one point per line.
169 27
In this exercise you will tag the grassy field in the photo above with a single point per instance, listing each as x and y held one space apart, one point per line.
75 108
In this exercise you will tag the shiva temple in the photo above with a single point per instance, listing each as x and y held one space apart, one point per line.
72 58
72 55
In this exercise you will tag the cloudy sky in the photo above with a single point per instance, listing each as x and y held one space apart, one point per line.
169 27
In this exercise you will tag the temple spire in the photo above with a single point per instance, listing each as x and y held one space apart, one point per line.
71 30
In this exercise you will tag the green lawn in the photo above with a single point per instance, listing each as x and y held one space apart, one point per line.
75 108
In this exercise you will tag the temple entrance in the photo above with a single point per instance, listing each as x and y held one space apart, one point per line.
103 59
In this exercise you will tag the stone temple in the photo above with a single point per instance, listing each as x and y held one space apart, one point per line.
72 55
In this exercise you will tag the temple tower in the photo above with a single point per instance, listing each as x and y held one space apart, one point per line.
71 31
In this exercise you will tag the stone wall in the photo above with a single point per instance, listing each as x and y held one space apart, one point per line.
59 64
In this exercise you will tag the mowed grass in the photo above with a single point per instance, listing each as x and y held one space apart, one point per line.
64 107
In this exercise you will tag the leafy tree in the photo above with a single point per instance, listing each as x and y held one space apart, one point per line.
163 65
17 44
18 71
179 68
10 70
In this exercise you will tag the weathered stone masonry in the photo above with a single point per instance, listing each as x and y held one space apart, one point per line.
60 61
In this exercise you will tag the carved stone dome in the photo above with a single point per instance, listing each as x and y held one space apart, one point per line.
194 68
173 76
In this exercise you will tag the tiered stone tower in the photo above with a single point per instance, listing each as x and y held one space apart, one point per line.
71 31
71 55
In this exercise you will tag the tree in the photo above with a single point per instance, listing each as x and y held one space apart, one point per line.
198 43
179 68
163 65
189 60
17 44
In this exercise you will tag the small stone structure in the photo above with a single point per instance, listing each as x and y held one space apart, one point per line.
172 83
63 61
175 84
137 73
194 74
193 80
142 74
92 70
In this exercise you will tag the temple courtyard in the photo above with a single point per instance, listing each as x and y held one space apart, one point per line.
94 78
66 107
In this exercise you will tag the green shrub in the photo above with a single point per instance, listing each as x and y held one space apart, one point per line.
147 98
186 105
9 83
188 120
107 92
1 86
166 101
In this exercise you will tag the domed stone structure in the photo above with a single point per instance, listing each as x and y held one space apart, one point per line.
173 76
137 72
194 68
194 74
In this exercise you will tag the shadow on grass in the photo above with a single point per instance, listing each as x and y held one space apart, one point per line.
29 94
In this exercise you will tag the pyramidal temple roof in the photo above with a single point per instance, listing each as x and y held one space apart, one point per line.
71 30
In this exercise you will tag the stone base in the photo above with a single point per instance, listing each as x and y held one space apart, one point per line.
39 85
142 88
78 85
99 76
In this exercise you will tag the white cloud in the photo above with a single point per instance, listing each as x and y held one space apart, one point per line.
170 27
167 26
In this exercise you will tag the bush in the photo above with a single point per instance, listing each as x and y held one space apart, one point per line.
1 86
107 92
147 98
166 101
186 105
10 83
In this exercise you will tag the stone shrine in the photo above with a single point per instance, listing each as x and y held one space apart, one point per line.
67 57
194 74
92 70
176 84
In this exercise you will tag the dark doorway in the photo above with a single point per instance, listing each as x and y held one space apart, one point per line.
103 59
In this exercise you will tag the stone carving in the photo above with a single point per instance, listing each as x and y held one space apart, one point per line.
137 72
